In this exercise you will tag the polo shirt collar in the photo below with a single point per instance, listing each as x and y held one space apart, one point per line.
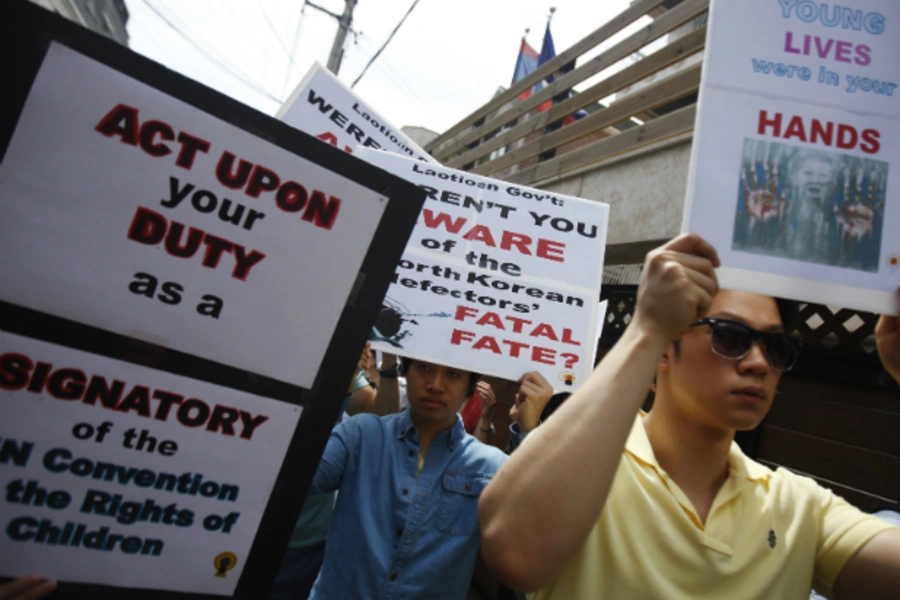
747 468
638 445
405 428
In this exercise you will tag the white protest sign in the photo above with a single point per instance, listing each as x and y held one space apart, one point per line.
133 477
130 202
175 268
496 278
324 107
796 135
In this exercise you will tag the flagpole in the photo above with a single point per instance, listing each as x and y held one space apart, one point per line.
546 105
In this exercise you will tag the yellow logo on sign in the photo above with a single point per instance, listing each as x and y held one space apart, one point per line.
567 377
224 562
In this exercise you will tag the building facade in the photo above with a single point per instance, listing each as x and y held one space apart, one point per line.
107 17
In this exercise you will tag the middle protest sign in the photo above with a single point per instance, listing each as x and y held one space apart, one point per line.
797 132
496 278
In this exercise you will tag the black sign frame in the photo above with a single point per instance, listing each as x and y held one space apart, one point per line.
26 32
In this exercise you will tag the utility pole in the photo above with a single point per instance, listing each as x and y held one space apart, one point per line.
337 49
344 21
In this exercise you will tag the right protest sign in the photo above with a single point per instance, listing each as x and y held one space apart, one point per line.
496 278
795 142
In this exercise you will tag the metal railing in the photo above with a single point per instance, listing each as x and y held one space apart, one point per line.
509 138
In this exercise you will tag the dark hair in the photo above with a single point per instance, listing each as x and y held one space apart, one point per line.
405 363
789 311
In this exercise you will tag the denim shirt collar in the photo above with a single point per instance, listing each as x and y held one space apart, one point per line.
405 428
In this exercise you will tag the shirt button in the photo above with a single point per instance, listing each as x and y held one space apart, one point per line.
399 533
405 491
393 577
411 453
468 486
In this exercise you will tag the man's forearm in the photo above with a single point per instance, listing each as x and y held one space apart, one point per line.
387 397
527 540
874 571
483 428
361 401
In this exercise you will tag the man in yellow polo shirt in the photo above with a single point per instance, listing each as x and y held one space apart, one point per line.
600 504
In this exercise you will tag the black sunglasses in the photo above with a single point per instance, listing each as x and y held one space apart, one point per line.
733 340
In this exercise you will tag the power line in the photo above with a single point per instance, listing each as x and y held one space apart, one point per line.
384 45
213 9
277 37
287 72
394 77
185 29
231 70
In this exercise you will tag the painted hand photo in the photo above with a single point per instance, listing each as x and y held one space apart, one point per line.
810 205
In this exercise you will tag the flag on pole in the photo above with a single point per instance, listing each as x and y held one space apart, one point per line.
526 63
529 60
548 53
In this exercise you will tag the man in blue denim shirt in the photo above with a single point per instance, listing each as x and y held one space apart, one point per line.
406 520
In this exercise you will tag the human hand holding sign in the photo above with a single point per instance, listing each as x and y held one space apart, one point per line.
488 399
361 364
533 395
485 426
887 337
29 587
677 287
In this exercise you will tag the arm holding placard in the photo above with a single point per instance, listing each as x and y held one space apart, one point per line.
362 400
528 544
485 425
362 394
338 452
372 367
344 437
874 571
29 587
528 406
387 397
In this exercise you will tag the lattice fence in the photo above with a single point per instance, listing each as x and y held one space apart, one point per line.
618 313
620 307
820 326
817 326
